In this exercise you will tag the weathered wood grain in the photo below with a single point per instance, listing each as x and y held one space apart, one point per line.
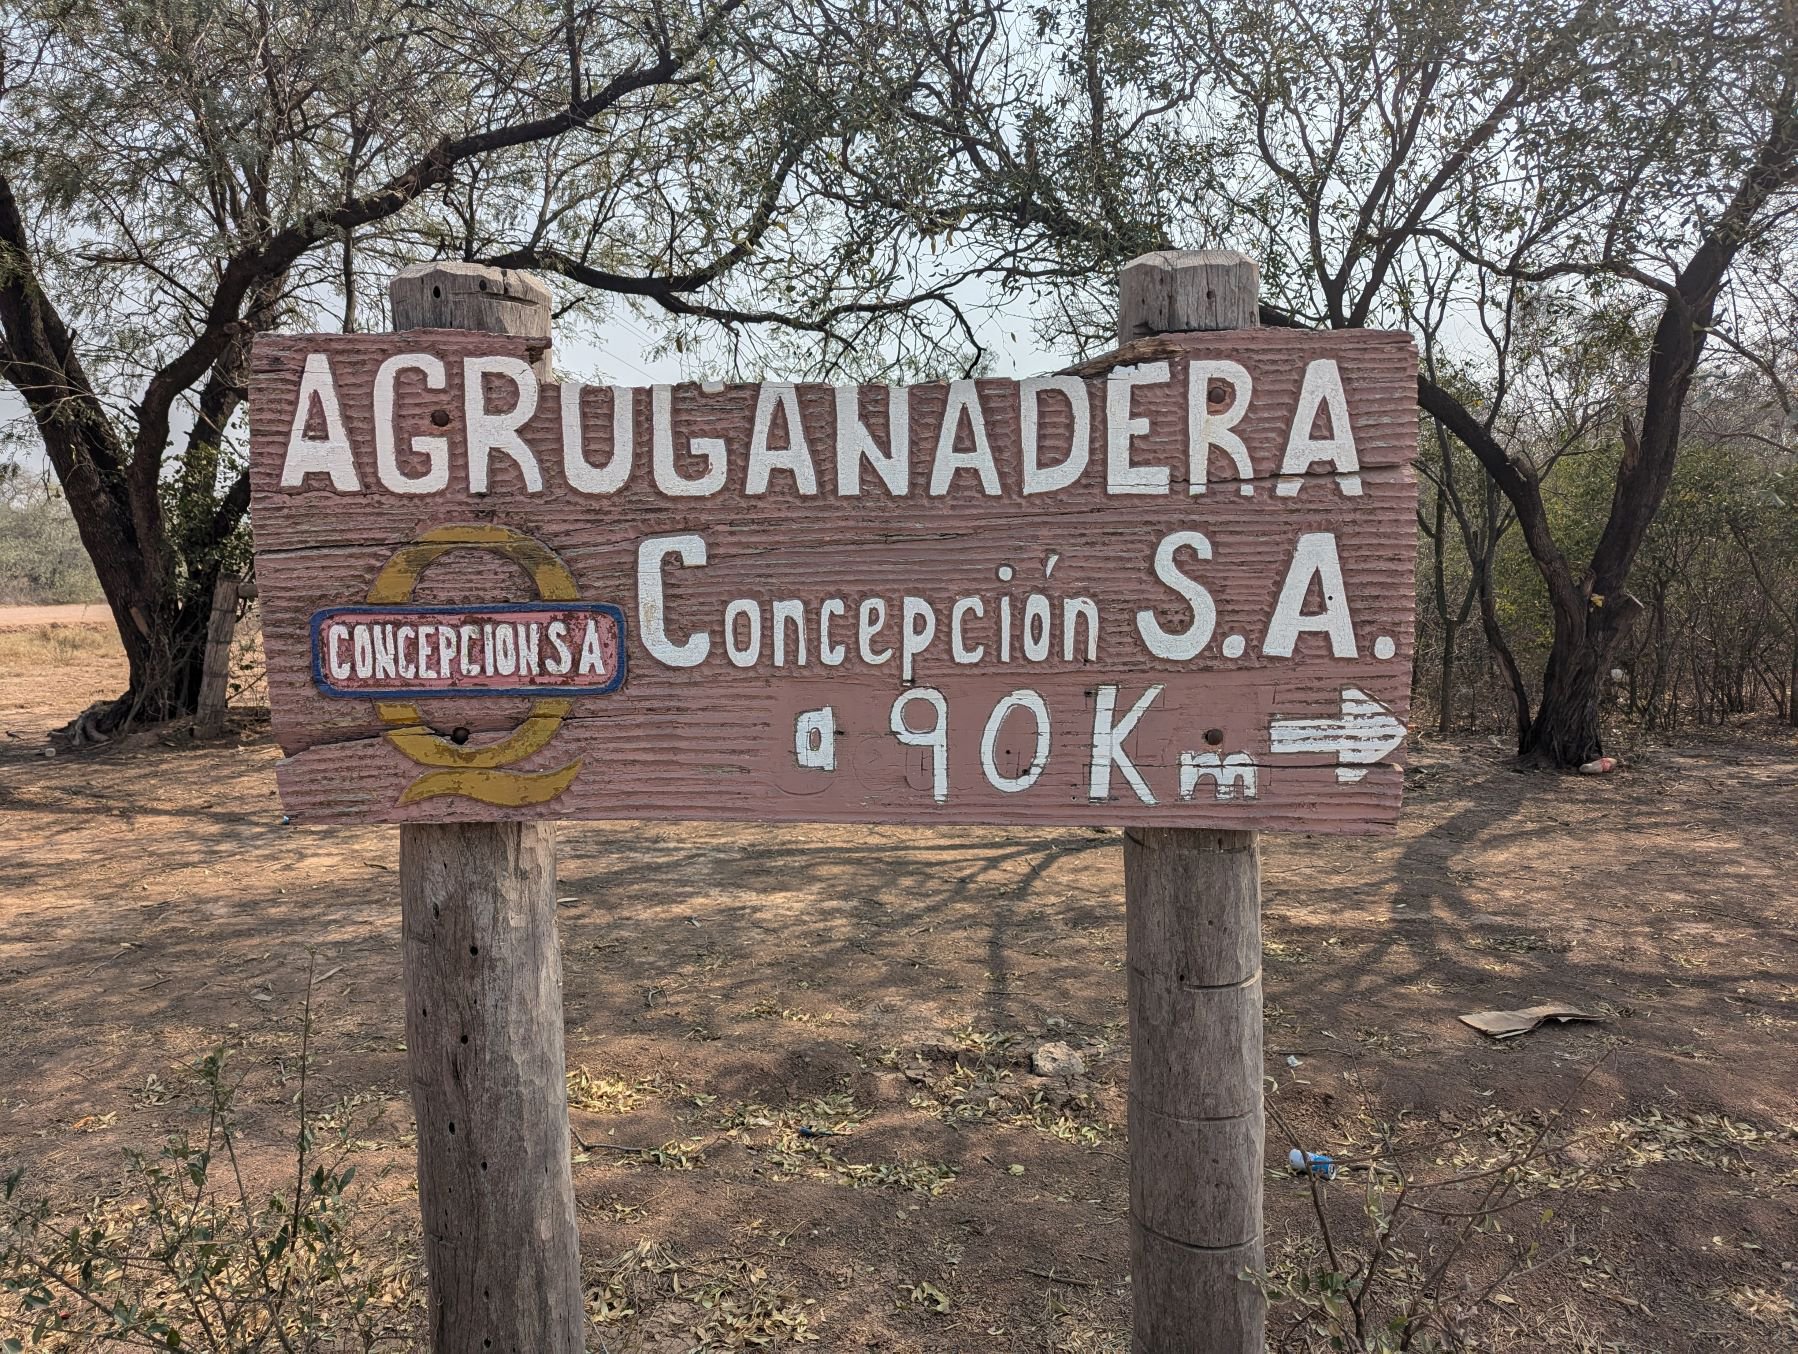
717 740
448 294
489 1091
1179 290
1170 1282
215 672
1192 902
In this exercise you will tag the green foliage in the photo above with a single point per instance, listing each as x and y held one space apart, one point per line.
1717 577
41 556
1411 1243
187 1256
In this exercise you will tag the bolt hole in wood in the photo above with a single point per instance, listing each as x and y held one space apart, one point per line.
440 418
1215 737
458 736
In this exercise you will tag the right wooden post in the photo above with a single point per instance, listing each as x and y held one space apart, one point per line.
1192 901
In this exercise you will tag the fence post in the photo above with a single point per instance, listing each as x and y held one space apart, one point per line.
209 713
483 983
1192 902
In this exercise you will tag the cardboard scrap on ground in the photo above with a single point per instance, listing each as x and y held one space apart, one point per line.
1509 1024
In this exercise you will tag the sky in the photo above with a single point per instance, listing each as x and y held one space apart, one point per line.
618 350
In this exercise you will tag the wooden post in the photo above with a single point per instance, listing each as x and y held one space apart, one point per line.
484 1002
209 715
1192 900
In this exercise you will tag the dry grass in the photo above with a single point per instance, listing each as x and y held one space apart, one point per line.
54 645
807 1093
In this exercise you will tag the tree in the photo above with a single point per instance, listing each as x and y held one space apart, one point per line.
178 176
41 559
1656 168
1616 166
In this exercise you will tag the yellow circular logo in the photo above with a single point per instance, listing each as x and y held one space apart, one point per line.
455 769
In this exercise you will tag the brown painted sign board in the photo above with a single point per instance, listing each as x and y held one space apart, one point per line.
1176 593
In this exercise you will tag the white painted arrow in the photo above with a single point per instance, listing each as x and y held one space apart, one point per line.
1364 733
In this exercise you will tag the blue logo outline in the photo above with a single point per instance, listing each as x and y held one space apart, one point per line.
328 688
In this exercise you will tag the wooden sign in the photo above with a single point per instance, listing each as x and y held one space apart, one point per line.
1177 592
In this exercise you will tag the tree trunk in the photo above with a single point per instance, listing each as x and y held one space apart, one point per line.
1439 582
1565 732
164 637
1501 654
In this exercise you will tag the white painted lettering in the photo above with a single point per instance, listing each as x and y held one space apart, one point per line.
1024 699
503 650
708 449
1073 610
832 654
917 629
789 612
1322 388
593 658
1122 477
795 458
1189 642
872 617
1045 479
1314 557
749 653
489 431
1206 429
652 607
328 455
936 737
856 444
340 664
434 449
958 647
1109 734
964 402
382 635
582 475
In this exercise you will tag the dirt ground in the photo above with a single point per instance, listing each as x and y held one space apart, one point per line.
69 613
728 987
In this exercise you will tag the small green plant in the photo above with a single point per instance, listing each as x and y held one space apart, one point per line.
186 1256
1430 1250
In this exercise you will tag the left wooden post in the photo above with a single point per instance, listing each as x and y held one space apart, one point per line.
483 982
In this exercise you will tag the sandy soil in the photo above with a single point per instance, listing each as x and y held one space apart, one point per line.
727 986
74 613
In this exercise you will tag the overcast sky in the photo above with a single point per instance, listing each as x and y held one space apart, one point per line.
618 351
